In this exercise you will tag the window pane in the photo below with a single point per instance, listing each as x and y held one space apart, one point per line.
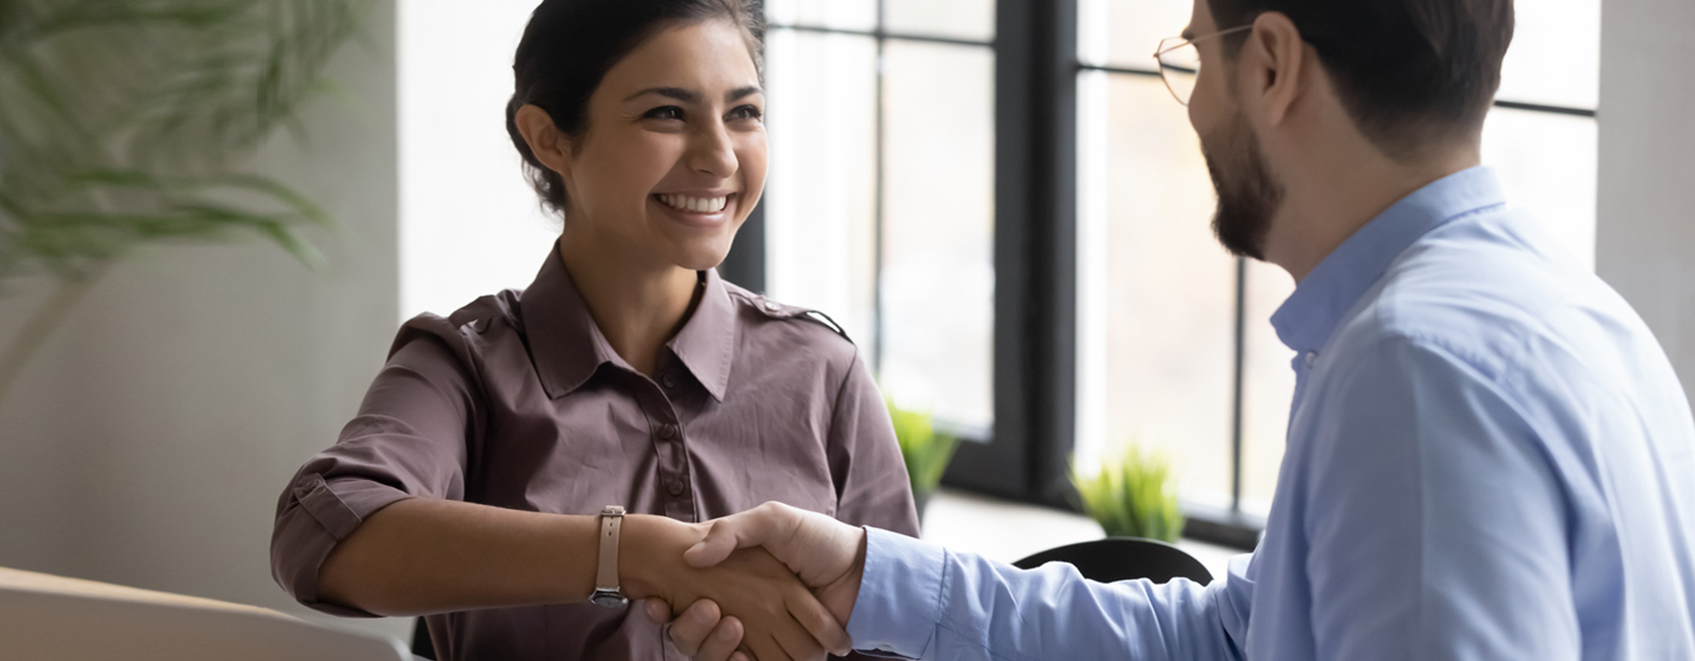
1268 386
1547 166
938 229
820 199
1158 310
1124 33
839 14
961 19
1555 58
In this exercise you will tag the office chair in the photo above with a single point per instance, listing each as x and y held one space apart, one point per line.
421 645
1124 558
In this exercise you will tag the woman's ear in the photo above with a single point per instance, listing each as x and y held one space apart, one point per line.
546 142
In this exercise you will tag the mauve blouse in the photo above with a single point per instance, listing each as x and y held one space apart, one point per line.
518 401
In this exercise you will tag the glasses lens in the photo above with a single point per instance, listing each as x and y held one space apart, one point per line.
1180 65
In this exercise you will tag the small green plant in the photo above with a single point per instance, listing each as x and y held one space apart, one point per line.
1132 496
925 451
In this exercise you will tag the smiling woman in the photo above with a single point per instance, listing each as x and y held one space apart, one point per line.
628 374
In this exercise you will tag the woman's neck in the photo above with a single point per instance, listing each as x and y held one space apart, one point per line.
638 304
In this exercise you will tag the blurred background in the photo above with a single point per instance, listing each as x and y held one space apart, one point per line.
998 199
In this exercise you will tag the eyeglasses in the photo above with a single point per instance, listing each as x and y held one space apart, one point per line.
1180 62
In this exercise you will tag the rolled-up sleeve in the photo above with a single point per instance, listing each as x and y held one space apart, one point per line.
871 480
410 439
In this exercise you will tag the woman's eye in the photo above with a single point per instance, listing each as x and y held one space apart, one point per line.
664 112
746 112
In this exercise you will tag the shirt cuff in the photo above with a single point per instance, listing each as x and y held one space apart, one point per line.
319 515
900 594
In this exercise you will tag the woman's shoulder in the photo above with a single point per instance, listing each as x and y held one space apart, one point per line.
469 331
774 327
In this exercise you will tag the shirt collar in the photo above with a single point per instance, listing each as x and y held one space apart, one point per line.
568 347
1308 318
707 343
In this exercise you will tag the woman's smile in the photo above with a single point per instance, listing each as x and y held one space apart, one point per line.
699 209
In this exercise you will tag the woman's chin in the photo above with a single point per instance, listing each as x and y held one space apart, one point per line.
696 254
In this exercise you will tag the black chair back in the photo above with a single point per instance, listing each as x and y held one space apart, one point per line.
421 645
1124 558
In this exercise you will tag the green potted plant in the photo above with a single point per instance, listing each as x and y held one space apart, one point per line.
129 122
1132 496
925 451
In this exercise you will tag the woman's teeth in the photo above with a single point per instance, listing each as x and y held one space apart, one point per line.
695 204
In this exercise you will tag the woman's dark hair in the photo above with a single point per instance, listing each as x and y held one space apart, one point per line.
569 46
1409 72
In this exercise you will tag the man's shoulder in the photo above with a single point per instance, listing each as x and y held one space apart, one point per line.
1486 293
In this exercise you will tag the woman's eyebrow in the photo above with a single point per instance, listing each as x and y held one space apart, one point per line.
742 93
678 93
691 96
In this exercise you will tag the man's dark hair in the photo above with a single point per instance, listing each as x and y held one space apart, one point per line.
1409 72
568 47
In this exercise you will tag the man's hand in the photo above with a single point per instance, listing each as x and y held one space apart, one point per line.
779 618
827 555
700 633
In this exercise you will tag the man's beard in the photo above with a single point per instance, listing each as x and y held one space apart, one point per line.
1248 195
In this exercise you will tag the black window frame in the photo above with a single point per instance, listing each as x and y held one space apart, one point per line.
1026 456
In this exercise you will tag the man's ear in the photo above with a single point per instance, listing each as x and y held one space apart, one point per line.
1275 57
545 140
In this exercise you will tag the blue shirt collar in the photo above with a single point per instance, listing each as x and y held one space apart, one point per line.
1306 321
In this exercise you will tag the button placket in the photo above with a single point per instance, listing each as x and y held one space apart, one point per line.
673 463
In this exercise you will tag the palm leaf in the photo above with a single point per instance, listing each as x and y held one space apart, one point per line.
124 118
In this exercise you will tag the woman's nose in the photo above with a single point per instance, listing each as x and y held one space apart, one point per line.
712 153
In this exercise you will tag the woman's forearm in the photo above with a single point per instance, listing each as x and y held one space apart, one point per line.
420 556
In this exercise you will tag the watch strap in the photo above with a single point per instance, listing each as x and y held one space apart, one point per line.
611 520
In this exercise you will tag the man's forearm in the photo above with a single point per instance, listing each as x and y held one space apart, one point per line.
917 599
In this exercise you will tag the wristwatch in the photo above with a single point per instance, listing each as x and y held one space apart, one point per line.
606 591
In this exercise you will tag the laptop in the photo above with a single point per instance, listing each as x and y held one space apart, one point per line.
48 618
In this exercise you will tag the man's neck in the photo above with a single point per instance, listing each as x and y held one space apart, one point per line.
1333 200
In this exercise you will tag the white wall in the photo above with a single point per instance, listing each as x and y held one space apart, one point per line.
470 223
1646 229
147 442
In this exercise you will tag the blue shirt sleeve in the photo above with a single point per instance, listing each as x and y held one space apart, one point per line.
1435 523
920 601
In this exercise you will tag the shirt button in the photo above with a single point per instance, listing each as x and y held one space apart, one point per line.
773 306
667 431
1310 357
670 380
675 487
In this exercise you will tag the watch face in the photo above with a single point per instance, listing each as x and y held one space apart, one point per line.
608 600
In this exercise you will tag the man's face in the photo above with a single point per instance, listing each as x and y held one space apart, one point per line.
1248 193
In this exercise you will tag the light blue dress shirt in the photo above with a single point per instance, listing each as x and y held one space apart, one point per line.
1489 457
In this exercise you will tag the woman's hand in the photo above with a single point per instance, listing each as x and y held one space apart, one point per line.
780 618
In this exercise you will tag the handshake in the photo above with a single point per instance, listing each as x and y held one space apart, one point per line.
770 584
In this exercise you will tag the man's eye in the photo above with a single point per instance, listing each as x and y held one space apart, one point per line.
746 112
664 112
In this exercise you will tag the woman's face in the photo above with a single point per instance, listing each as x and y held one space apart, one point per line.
674 156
